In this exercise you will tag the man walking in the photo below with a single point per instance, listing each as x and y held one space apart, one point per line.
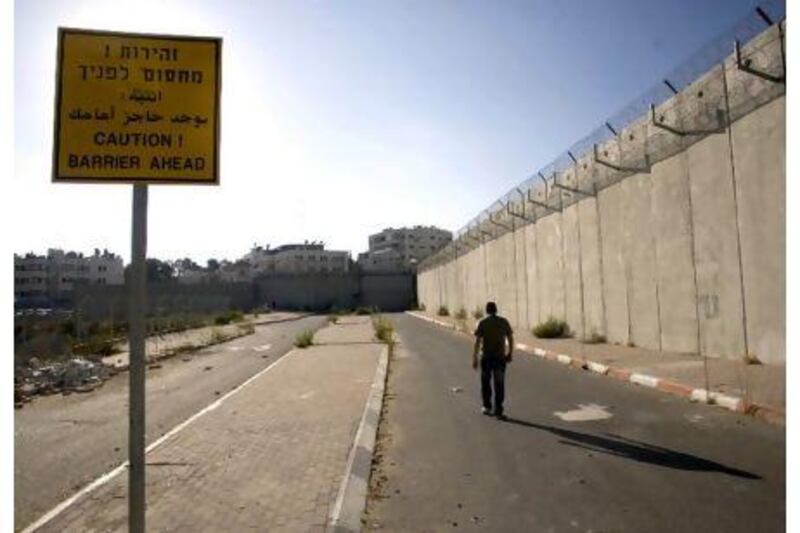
492 333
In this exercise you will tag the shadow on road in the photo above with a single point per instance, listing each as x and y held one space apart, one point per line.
635 450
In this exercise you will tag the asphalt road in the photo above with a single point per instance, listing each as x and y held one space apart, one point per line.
659 463
63 443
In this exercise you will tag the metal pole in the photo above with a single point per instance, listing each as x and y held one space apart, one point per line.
137 294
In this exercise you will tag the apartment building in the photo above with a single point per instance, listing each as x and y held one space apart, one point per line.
401 249
297 258
44 279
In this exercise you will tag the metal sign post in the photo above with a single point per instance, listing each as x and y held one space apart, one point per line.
136 400
141 109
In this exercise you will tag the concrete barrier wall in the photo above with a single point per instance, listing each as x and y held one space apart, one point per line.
760 163
551 273
532 268
678 246
672 226
615 265
573 281
719 284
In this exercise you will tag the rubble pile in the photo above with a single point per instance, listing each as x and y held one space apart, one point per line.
74 375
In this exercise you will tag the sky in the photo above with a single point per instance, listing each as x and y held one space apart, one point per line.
343 118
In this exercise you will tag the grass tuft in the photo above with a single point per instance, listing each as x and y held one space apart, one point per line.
552 328
594 338
304 339
384 329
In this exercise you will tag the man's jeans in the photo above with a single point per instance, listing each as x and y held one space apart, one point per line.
493 371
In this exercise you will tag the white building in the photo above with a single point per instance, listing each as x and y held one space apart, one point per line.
401 249
297 258
55 275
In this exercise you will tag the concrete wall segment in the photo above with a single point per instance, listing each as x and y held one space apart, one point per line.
759 143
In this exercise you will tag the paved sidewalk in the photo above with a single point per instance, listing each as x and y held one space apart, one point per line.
270 457
757 389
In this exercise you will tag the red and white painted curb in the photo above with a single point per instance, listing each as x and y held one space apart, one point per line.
731 403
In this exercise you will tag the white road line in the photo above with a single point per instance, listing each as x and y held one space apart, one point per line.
105 478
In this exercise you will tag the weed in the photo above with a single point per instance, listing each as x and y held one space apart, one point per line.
228 316
461 314
384 329
304 339
443 311
594 338
218 336
552 328
477 313
751 359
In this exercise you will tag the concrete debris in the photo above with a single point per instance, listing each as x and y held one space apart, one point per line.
52 377
456 389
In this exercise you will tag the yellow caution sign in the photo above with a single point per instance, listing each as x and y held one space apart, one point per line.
136 108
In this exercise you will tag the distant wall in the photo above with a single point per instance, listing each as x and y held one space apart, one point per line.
387 292
310 292
673 237
103 302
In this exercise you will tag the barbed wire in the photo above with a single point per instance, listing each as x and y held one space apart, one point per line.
690 102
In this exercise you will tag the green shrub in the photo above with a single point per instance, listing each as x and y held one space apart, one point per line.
594 338
461 314
478 313
228 316
384 330
363 310
443 311
421 307
552 328
304 339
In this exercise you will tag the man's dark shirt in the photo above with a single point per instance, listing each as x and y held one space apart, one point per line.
494 330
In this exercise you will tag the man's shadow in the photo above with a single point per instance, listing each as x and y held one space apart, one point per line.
635 450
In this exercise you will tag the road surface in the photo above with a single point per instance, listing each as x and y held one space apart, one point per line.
655 463
63 443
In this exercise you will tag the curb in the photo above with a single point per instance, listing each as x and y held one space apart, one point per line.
352 498
282 320
732 403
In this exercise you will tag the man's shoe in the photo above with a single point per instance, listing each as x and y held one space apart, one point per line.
501 416
486 410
